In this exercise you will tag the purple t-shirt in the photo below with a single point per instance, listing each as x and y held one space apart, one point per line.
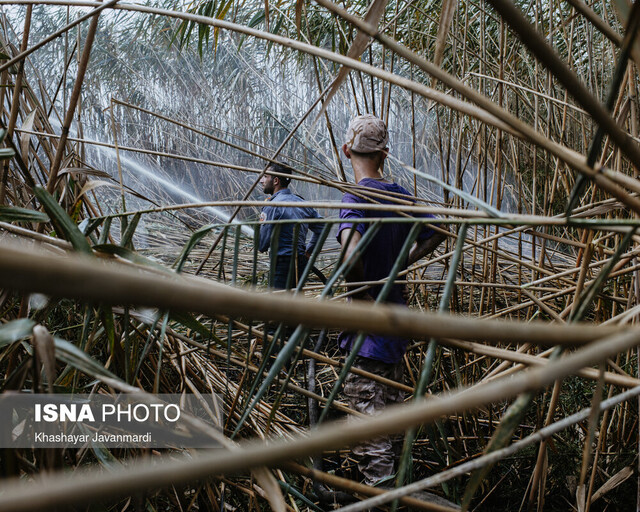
377 260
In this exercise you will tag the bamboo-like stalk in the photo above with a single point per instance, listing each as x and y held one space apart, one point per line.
513 125
257 180
600 444
599 112
581 494
349 485
516 411
427 365
299 336
538 472
25 53
614 89
597 22
73 102
17 88
83 486
527 359
538 46
497 135
75 277
491 458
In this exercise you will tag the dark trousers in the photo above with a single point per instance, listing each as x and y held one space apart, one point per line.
284 278
279 279
282 270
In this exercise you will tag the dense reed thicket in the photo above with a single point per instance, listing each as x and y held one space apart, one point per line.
133 140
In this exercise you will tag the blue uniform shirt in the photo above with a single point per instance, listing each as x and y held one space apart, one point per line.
274 212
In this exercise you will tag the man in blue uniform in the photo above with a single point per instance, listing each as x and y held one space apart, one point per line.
366 148
277 187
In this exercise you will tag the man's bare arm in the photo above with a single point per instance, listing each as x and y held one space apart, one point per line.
425 247
356 274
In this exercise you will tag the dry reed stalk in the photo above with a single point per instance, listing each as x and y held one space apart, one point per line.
17 88
319 357
223 165
355 487
55 35
600 446
492 458
33 235
243 364
262 475
257 180
79 278
539 474
582 492
187 126
624 381
538 46
82 486
513 125
73 103
597 21
502 267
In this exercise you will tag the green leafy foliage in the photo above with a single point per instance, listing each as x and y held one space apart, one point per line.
15 214
15 330
130 255
62 222
210 9
196 237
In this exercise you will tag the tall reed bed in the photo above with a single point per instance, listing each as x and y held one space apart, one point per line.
133 141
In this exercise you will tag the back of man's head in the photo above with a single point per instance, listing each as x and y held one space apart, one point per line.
367 135
281 168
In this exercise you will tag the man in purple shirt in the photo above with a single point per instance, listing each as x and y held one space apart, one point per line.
366 147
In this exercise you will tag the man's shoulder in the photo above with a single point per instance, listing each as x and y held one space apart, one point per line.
402 190
374 186
272 207
286 195
348 197
392 186
383 185
397 190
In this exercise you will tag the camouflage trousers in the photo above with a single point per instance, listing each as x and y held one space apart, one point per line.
375 457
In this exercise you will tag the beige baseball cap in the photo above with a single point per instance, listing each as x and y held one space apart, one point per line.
367 134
